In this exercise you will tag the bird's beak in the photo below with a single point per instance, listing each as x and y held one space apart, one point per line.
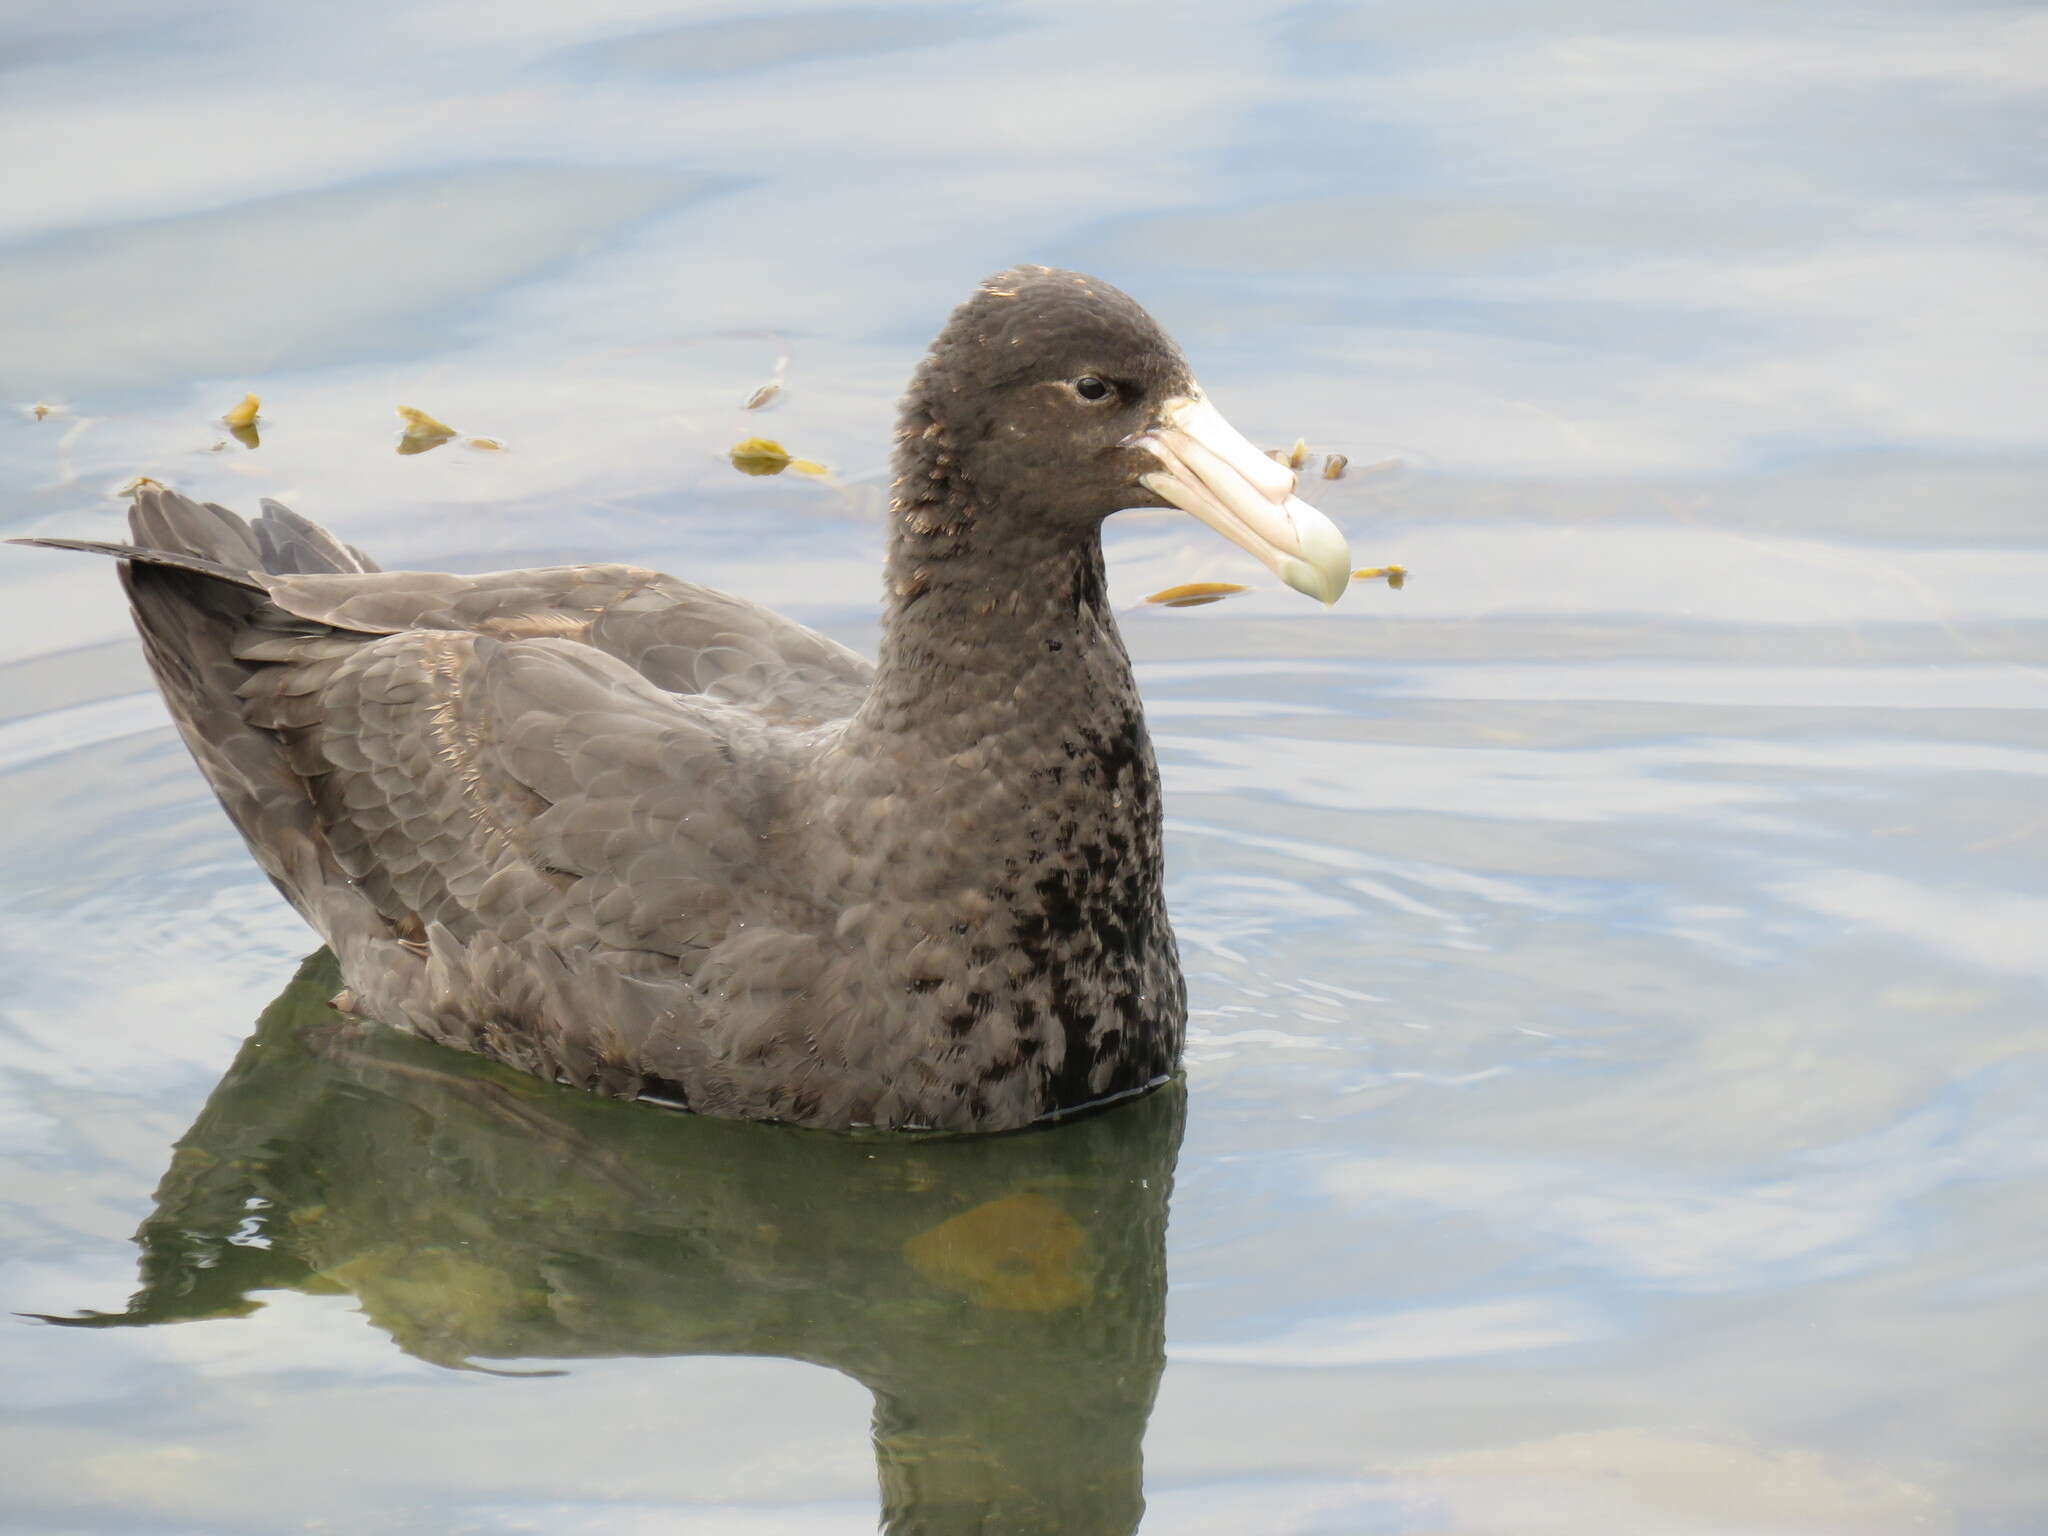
1207 468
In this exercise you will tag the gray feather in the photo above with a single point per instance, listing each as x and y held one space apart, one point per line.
638 835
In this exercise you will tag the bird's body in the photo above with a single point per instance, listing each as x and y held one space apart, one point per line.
642 837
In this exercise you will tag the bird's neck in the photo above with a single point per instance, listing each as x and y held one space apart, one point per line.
993 616
999 796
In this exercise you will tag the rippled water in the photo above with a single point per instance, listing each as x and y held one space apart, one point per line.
1615 1099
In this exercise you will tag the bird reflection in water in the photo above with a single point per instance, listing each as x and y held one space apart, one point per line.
1003 1297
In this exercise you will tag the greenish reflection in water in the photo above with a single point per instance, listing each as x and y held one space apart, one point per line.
1002 1297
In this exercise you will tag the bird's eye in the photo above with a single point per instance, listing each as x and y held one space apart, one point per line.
1092 389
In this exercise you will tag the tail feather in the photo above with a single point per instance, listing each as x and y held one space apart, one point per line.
178 533
291 545
194 563
163 520
197 579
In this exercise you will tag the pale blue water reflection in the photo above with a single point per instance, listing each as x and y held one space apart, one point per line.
1618 957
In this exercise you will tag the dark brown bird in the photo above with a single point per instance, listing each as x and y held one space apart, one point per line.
652 840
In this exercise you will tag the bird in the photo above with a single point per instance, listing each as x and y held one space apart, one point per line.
648 839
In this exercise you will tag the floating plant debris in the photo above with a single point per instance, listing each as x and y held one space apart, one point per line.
765 456
420 424
1196 594
765 396
422 432
1333 466
487 444
41 409
241 422
1393 575
138 485
759 456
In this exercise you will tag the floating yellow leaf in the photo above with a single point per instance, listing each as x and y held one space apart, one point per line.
1393 575
1333 466
138 485
247 436
487 444
765 456
244 415
41 409
1196 594
759 456
420 424
423 433
763 397
1021 1253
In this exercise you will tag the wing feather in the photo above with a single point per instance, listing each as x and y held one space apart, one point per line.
681 637
530 787
539 813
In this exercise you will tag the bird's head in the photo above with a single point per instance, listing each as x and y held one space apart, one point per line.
1055 395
